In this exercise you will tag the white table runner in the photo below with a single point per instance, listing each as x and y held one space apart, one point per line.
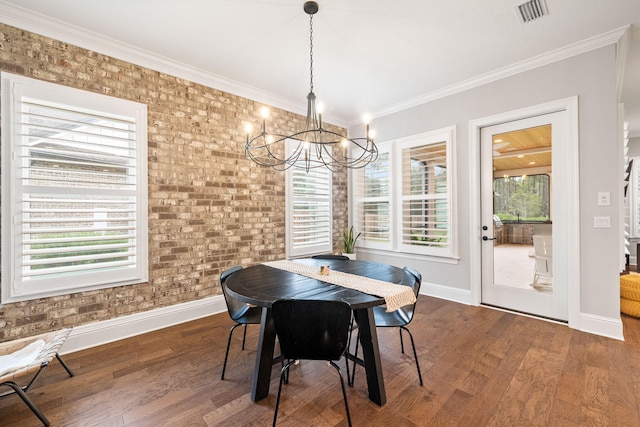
395 296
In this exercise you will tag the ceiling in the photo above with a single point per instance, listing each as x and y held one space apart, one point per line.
519 150
370 56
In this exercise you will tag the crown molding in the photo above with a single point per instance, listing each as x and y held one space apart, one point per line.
619 37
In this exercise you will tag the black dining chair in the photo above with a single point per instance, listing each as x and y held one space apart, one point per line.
399 318
311 330
240 312
331 256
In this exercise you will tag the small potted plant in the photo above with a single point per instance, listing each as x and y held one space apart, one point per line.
349 243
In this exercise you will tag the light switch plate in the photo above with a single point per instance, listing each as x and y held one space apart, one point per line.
602 222
604 198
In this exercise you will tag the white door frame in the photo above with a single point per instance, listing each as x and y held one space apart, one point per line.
571 173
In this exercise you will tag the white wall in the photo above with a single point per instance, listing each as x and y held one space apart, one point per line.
590 76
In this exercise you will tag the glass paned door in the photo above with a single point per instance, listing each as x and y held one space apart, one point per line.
517 216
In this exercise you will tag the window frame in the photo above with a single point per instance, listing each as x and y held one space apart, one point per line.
395 147
439 136
360 199
17 91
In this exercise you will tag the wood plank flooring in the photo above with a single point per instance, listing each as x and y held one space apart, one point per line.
481 367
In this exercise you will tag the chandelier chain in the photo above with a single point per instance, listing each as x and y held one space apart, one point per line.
311 52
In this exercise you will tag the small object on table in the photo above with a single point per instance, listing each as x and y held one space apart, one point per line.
324 270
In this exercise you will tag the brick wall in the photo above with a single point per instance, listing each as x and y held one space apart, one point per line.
209 207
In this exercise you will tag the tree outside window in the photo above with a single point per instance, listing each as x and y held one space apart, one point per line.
522 198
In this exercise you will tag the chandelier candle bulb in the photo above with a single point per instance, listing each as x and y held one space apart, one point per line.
264 112
320 110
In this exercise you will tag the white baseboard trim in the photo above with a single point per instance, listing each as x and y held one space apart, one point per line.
95 334
106 331
462 296
610 327
593 324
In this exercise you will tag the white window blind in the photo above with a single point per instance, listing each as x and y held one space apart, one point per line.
310 212
74 172
372 201
425 195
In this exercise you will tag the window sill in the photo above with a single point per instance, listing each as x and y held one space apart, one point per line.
453 260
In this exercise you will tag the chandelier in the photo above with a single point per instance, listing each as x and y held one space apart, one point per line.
314 146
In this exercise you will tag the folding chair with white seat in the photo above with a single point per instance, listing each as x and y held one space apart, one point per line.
29 356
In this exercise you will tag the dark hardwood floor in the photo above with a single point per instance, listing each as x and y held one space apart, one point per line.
481 367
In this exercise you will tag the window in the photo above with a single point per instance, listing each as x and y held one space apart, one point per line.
424 194
522 198
74 190
309 211
372 201
412 181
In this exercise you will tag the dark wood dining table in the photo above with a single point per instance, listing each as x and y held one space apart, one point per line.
262 285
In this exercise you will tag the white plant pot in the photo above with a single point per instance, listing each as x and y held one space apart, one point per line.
351 256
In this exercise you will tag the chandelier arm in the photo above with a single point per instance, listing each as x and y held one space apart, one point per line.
368 144
337 158
267 147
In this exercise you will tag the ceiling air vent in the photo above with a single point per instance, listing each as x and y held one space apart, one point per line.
531 10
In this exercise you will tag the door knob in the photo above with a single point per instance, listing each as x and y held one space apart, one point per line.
488 238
